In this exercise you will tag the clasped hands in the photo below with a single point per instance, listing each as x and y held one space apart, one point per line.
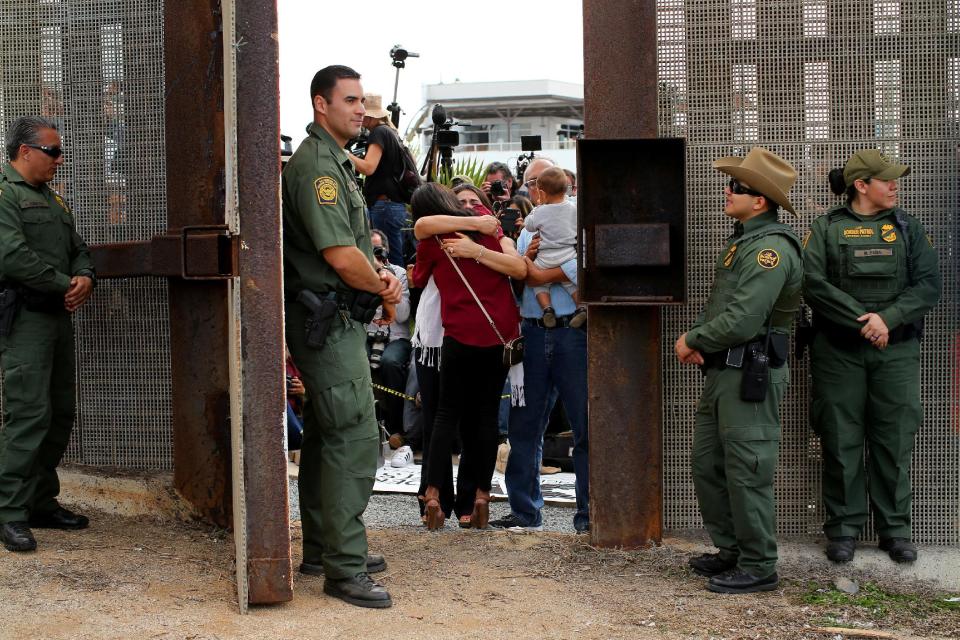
80 289
875 330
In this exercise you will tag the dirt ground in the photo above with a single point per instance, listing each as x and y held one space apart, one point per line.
138 578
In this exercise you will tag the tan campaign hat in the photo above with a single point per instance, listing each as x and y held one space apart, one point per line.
374 106
870 163
763 171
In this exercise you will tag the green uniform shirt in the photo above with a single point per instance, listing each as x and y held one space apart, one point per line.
39 244
856 264
758 273
322 207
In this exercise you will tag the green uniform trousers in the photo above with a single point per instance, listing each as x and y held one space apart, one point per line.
39 395
338 456
864 395
735 450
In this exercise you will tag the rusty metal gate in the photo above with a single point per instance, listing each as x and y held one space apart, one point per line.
180 351
815 80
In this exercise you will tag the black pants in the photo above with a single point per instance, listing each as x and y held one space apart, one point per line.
471 382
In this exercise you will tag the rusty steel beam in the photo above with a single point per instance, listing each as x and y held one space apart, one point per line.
270 577
623 350
203 256
193 63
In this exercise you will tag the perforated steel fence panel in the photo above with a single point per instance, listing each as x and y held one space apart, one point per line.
815 80
96 67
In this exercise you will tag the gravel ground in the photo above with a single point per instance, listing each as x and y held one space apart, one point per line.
400 509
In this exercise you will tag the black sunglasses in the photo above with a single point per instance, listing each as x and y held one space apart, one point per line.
53 152
740 190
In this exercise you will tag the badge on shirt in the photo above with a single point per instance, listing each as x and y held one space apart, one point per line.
888 233
728 259
858 232
768 258
326 190
56 196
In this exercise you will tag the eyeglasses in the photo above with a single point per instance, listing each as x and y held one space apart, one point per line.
532 182
53 152
737 188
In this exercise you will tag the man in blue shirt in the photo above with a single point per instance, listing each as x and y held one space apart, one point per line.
554 359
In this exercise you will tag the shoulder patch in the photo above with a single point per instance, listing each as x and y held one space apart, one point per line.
768 258
326 190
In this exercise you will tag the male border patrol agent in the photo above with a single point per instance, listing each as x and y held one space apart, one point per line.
332 289
740 340
45 274
870 275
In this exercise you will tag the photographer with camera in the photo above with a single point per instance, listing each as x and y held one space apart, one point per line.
499 185
383 165
388 345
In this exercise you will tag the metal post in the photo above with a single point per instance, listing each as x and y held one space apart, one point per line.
270 577
193 62
624 352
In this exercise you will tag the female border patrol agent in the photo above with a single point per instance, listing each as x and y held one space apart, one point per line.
870 275
740 340
328 269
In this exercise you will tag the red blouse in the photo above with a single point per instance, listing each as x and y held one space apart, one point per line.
461 316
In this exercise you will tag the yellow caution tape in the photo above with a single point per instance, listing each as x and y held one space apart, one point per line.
399 394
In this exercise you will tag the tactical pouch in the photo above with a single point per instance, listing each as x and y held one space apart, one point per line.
322 312
9 307
364 307
756 377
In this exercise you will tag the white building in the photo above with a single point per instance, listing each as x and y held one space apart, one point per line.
500 113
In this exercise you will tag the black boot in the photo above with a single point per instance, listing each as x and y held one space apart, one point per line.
841 549
900 549
740 581
16 536
375 564
359 590
59 518
711 564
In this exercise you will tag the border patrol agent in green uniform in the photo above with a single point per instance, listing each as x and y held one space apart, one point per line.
740 341
45 274
328 255
870 275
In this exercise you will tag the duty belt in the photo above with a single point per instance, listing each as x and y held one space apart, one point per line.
777 355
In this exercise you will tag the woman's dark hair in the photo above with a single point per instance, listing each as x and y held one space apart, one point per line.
839 186
484 200
523 204
434 199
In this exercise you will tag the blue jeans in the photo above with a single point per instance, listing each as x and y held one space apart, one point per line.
391 218
552 359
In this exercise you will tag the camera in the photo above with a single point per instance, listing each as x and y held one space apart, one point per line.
381 254
529 144
377 338
496 188
509 219
442 144
289 382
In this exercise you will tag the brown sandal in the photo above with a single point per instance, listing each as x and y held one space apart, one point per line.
433 513
481 510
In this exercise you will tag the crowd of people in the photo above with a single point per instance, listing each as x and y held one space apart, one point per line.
490 281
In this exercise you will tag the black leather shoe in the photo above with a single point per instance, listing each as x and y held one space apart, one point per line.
711 564
359 590
900 549
740 581
841 549
16 536
375 564
59 518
